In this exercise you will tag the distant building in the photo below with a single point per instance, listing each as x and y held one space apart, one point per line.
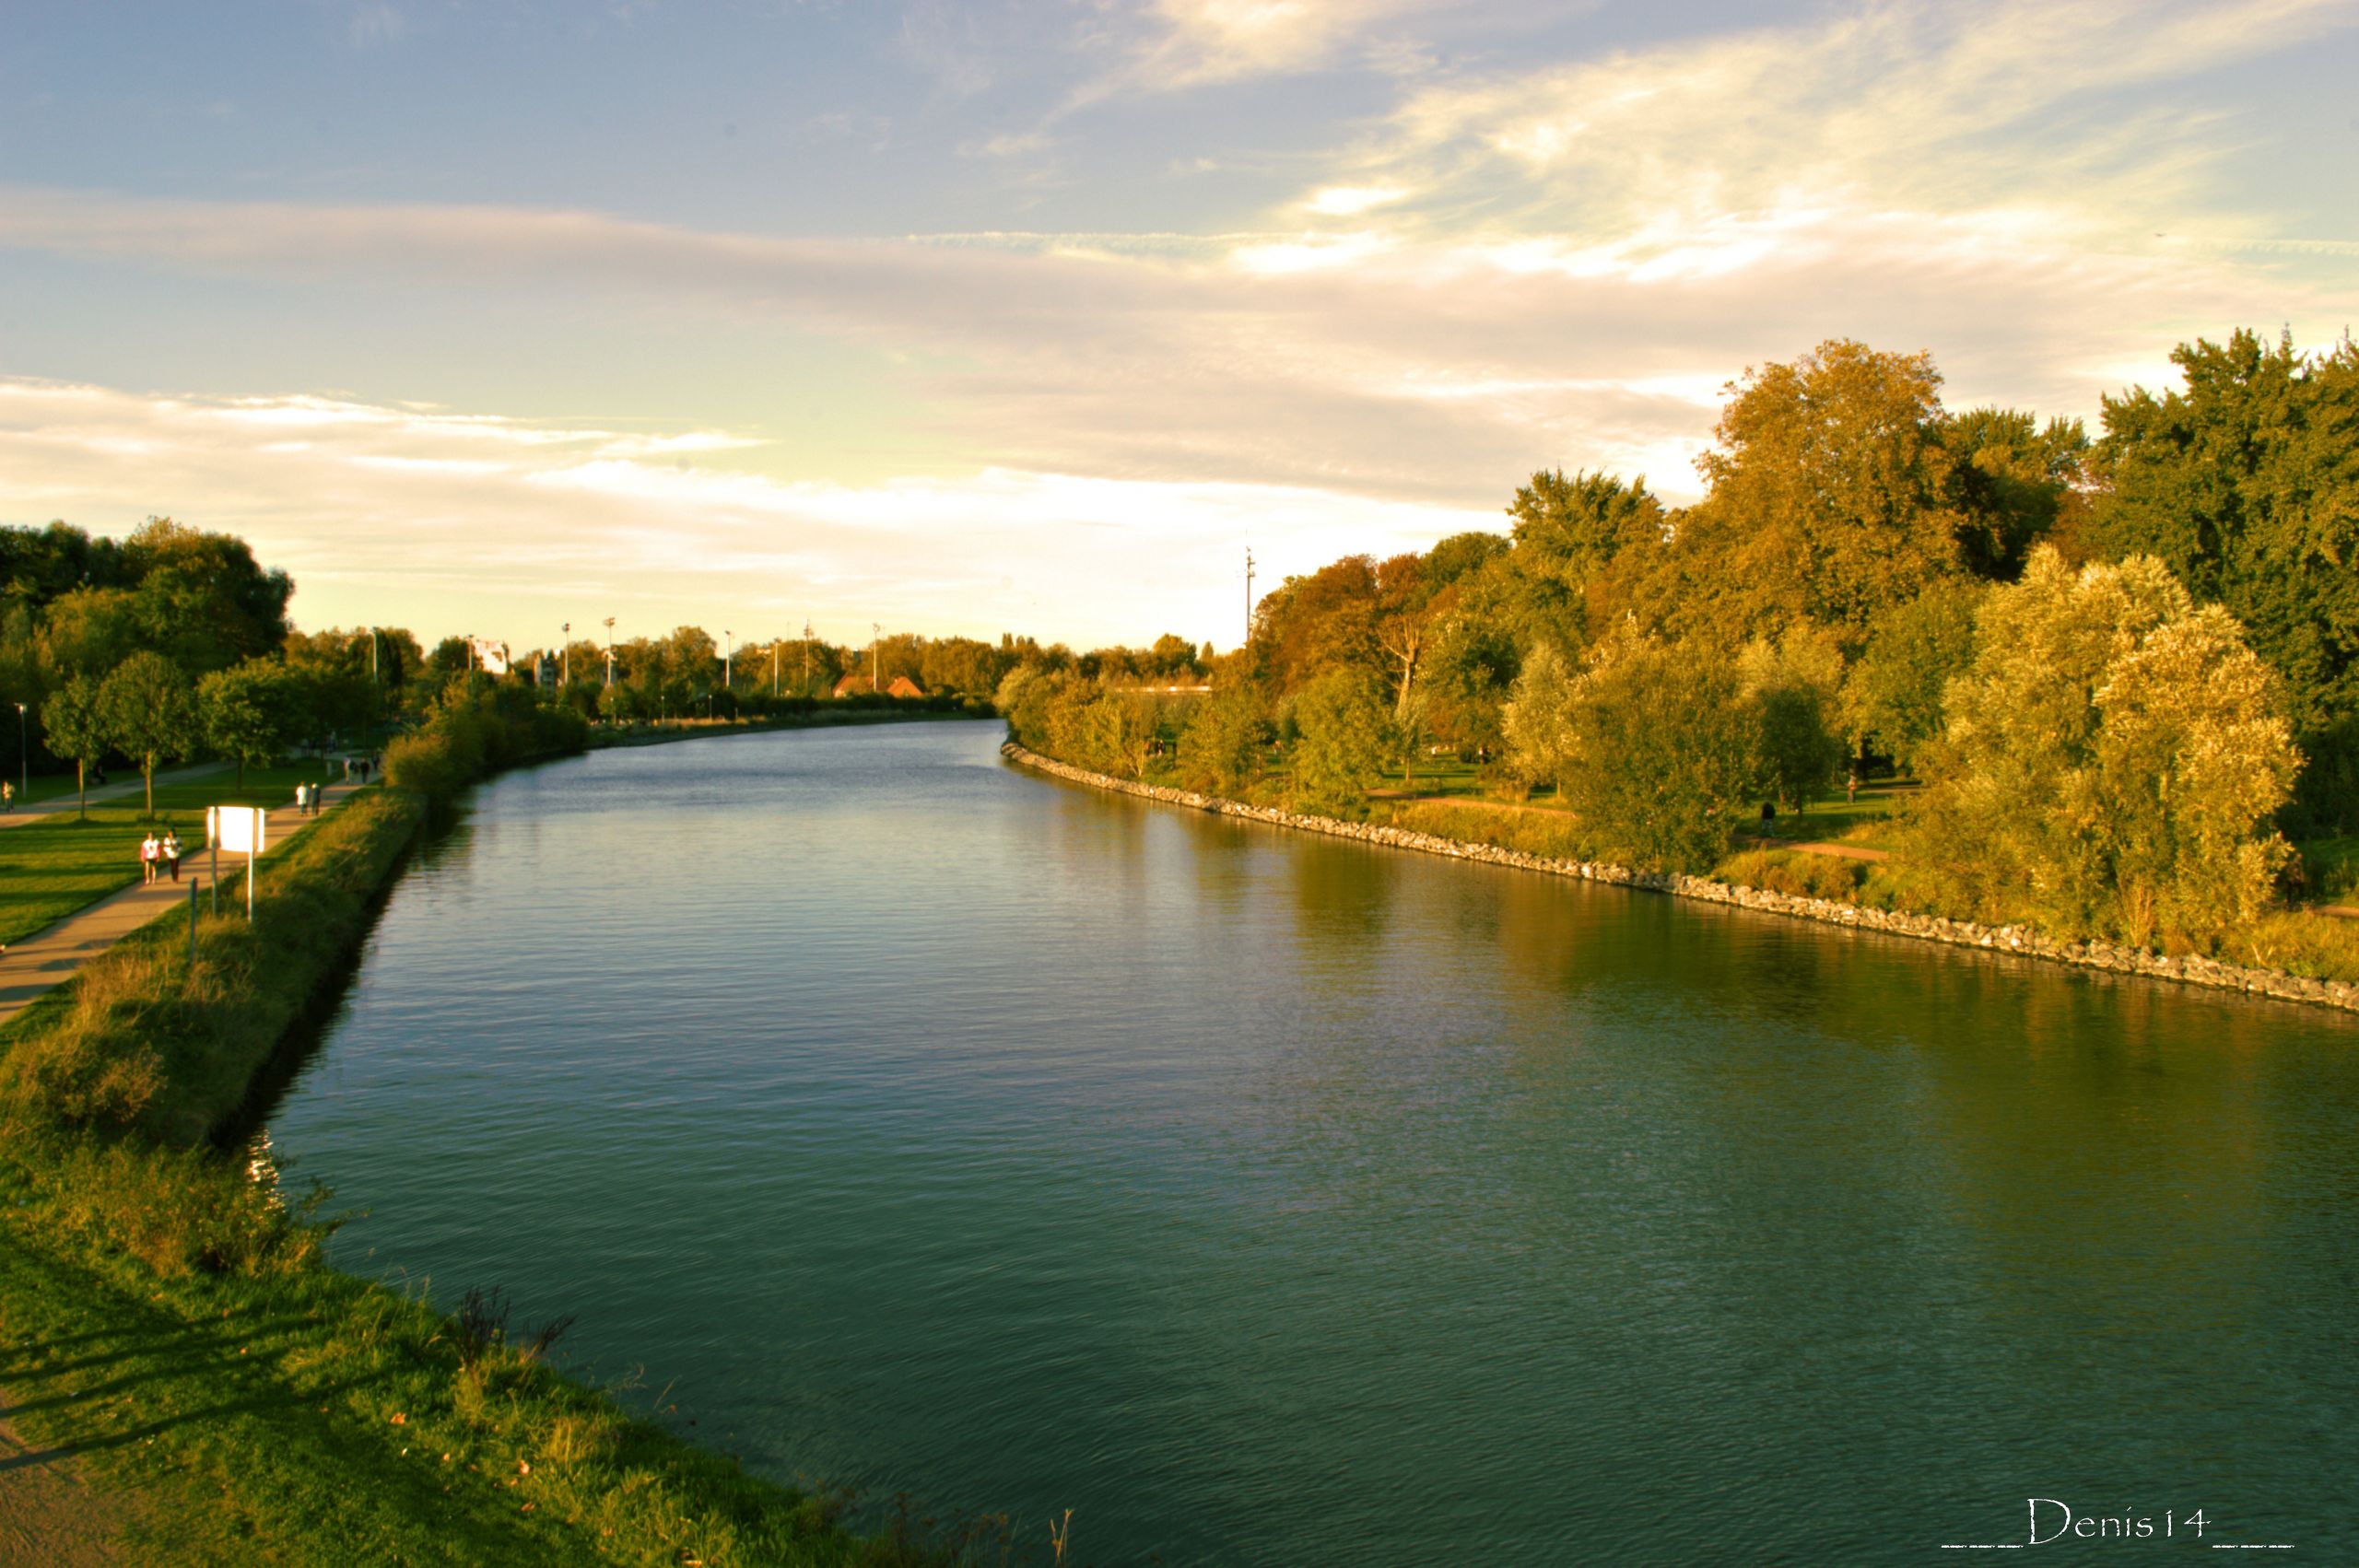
857 685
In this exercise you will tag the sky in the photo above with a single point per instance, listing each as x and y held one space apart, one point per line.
1035 315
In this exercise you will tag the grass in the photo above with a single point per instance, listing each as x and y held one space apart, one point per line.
269 1410
53 864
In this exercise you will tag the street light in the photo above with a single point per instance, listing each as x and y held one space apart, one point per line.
565 653
610 650
728 645
24 757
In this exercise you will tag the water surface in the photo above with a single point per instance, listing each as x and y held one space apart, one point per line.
919 1124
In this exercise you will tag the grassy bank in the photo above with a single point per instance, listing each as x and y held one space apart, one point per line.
169 1318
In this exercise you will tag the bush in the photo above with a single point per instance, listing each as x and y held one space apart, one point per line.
1800 875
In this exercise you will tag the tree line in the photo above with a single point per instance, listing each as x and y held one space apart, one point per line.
175 643
2125 667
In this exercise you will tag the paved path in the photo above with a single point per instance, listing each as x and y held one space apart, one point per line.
132 785
48 958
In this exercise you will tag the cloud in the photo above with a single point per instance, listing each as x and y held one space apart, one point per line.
2022 106
1210 40
466 522
1559 266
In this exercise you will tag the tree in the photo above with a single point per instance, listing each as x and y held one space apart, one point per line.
2111 758
1914 652
202 598
1226 738
2012 483
1829 495
74 725
1341 718
1658 758
1569 537
1402 596
149 714
1536 725
2246 484
1310 625
1792 689
251 711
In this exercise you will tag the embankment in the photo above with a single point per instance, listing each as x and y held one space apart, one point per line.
2016 940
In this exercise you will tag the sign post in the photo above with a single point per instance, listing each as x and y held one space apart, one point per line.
191 921
233 828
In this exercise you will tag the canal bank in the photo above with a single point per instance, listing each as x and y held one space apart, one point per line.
2017 941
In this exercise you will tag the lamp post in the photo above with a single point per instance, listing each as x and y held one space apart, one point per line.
610 650
806 659
24 757
876 635
728 652
773 668
565 653
1249 593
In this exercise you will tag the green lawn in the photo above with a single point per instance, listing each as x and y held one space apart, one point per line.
47 786
57 863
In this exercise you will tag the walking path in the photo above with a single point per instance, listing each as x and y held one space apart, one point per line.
48 958
24 813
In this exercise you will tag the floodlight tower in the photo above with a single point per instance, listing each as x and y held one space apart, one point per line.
1249 593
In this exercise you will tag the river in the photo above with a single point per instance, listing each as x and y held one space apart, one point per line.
896 1119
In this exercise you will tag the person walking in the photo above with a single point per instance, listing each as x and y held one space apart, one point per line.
148 852
171 848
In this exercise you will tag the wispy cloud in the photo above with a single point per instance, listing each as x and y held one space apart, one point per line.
449 521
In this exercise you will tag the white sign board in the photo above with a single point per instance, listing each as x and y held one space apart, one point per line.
236 828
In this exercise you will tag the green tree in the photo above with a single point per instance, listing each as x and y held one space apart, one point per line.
1225 739
1895 693
2111 759
251 711
1342 716
2011 482
149 713
74 725
1792 689
1658 756
202 598
2246 484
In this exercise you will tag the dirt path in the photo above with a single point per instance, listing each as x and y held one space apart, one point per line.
49 1513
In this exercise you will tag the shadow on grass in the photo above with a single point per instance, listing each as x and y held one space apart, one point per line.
279 1400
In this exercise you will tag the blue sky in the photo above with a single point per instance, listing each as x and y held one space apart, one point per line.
1030 316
